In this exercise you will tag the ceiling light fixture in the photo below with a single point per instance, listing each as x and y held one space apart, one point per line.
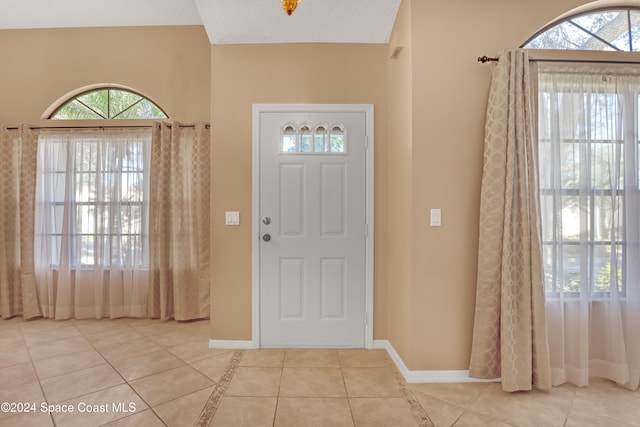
290 5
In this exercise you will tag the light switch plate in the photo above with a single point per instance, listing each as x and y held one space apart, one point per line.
436 218
232 218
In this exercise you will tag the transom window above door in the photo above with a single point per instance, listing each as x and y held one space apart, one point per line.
307 138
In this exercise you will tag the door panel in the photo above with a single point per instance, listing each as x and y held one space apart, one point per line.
333 192
291 288
333 288
292 199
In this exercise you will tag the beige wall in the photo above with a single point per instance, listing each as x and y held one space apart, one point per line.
399 229
431 307
429 129
243 75
168 64
430 105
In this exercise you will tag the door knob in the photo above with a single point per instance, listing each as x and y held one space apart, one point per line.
266 237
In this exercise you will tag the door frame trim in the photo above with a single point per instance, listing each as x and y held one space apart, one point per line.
258 109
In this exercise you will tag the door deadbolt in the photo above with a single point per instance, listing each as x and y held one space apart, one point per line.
266 220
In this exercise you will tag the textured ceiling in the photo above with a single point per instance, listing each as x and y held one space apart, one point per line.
226 21
96 13
264 21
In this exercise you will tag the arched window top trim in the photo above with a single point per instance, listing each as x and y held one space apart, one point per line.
78 93
306 127
599 7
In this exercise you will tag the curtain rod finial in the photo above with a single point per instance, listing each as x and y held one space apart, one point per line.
484 59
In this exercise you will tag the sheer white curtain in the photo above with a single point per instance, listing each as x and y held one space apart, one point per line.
91 226
590 204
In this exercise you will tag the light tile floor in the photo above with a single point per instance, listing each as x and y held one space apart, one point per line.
131 372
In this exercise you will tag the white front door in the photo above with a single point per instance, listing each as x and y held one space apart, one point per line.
312 227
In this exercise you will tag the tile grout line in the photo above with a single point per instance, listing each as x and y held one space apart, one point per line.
109 363
212 404
151 408
35 372
275 412
419 414
346 390
127 382
573 400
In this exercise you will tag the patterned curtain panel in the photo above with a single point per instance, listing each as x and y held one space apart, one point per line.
179 227
17 188
509 337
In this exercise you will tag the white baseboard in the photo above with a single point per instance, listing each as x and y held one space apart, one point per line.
231 344
409 376
426 376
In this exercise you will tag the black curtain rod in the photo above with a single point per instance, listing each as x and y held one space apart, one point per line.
89 127
98 127
484 59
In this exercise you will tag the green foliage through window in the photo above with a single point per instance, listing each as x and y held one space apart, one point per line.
108 104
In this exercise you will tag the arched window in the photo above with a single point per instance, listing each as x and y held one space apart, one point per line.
108 103
610 29
104 191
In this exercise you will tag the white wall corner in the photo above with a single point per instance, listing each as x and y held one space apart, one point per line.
426 376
